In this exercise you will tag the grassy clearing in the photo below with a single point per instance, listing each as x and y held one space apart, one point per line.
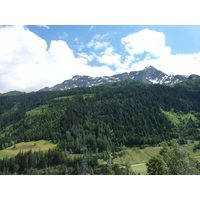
42 145
198 159
85 96
141 169
136 156
176 118
4 154
189 148
40 110
143 155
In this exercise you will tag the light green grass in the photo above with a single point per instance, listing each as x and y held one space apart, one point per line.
198 159
85 96
4 154
176 118
141 169
189 148
137 156
143 155
42 145
40 110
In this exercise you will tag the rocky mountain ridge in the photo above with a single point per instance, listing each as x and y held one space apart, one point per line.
149 75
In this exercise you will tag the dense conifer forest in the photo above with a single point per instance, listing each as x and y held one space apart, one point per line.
105 118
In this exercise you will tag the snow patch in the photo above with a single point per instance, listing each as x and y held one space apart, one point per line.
154 81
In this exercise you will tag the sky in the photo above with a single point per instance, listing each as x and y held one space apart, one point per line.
36 56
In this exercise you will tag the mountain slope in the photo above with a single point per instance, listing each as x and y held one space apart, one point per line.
101 118
191 84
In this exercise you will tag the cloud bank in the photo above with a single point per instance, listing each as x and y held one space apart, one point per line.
28 64
141 49
152 44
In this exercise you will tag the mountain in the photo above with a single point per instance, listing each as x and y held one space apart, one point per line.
149 75
106 119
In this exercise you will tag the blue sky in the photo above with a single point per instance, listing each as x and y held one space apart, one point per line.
182 39
33 57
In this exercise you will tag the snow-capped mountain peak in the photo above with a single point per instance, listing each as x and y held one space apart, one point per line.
149 75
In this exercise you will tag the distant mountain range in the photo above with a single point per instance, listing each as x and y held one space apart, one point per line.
149 75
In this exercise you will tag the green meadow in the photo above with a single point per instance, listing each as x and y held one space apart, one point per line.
176 118
136 156
143 155
42 145
140 169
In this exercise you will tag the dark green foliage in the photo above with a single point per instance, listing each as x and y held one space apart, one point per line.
105 118
172 161
102 118
55 162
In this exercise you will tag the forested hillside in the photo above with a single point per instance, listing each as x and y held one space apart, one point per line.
105 118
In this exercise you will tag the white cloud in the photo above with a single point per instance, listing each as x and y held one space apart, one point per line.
109 57
146 41
27 65
85 56
106 55
152 45
172 64
125 66
97 45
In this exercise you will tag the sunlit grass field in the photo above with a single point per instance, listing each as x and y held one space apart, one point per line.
141 169
42 145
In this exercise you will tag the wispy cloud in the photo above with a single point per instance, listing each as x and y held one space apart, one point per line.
76 39
98 45
99 42
45 26
91 27
86 58
80 46
63 35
